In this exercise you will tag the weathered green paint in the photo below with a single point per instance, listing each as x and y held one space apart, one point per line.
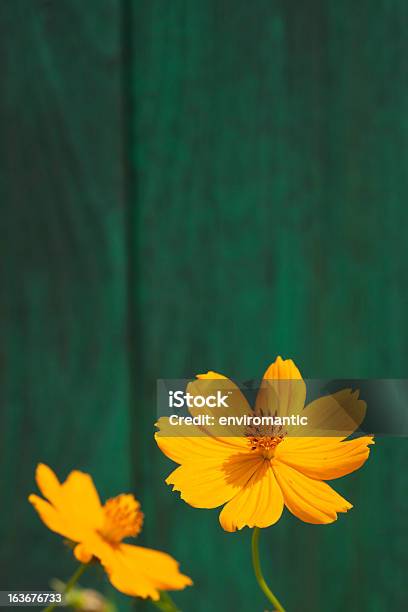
64 371
270 149
263 212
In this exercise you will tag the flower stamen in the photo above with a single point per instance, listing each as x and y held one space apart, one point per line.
123 518
264 439
266 446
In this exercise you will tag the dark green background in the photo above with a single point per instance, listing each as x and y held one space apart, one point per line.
192 185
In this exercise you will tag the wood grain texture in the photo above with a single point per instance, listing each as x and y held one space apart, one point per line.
64 371
270 149
265 214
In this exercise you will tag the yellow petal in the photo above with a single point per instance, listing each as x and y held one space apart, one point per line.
47 482
212 481
51 518
236 403
82 554
337 415
142 572
196 447
324 458
75 508
80 501
258 504
282 369
310 500
282 391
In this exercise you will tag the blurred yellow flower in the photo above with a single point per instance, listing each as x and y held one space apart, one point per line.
256 472
73 510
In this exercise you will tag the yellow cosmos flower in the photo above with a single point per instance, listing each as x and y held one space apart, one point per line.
73 510
255 473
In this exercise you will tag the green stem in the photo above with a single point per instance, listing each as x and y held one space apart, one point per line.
71 582
258 572
165 603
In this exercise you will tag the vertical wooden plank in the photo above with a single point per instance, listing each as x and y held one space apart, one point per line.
269 151
367 188
64 380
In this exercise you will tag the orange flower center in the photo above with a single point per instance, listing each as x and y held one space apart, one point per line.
264 439
266 445
123 518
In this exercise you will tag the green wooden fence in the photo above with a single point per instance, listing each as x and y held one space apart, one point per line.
192 185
